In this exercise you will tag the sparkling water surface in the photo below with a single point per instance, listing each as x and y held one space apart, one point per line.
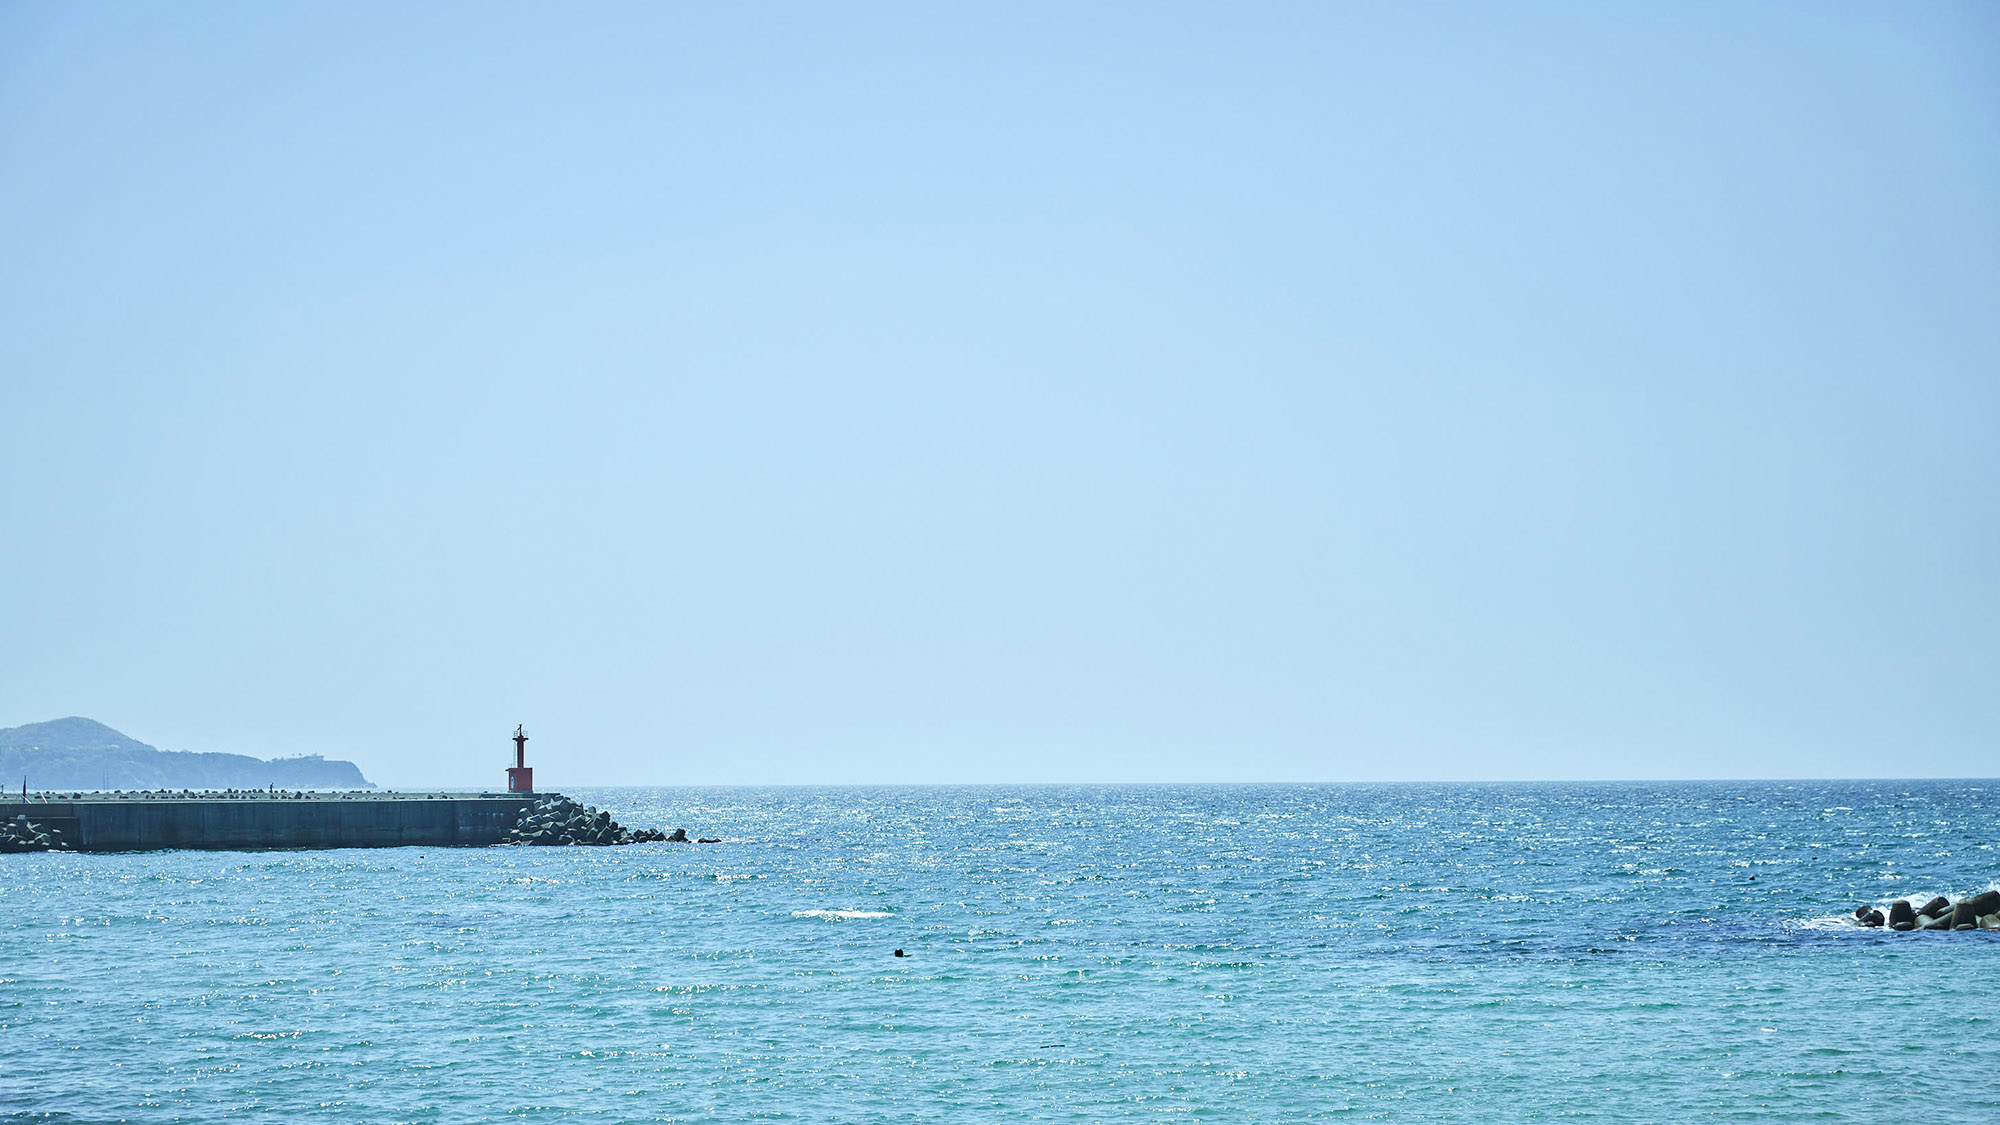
1612 952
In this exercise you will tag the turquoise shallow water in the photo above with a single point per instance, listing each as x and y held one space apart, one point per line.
1604 952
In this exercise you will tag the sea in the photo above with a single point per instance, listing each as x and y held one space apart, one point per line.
1144 953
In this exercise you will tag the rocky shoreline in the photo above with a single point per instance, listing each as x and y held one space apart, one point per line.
1980 912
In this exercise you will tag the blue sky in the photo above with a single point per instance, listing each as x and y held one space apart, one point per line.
1019 393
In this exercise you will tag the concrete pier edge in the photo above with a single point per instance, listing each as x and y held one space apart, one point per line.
236 821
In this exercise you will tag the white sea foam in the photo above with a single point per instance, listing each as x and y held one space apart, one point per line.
841 914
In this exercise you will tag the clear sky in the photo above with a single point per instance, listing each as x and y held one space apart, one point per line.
856 393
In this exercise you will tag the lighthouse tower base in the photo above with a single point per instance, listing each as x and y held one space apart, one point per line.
520 779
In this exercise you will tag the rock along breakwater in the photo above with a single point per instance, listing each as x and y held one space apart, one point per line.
555 820
1978 912
232 819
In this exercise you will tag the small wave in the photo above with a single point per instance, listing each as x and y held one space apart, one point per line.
841 914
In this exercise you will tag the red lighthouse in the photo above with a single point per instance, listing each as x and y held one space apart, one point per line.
520 779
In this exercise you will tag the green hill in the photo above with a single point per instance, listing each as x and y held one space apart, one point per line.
83 754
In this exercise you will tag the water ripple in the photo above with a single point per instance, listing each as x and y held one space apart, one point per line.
1250 953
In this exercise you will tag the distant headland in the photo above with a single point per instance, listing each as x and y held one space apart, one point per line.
78 753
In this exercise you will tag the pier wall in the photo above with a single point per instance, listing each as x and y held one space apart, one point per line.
94 824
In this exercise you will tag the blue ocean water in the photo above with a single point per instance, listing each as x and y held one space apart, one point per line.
1609 952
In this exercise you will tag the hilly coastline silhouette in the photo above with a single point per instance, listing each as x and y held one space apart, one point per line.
79 753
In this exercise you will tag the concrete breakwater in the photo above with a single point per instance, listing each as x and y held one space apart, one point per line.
259 819
1979 912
